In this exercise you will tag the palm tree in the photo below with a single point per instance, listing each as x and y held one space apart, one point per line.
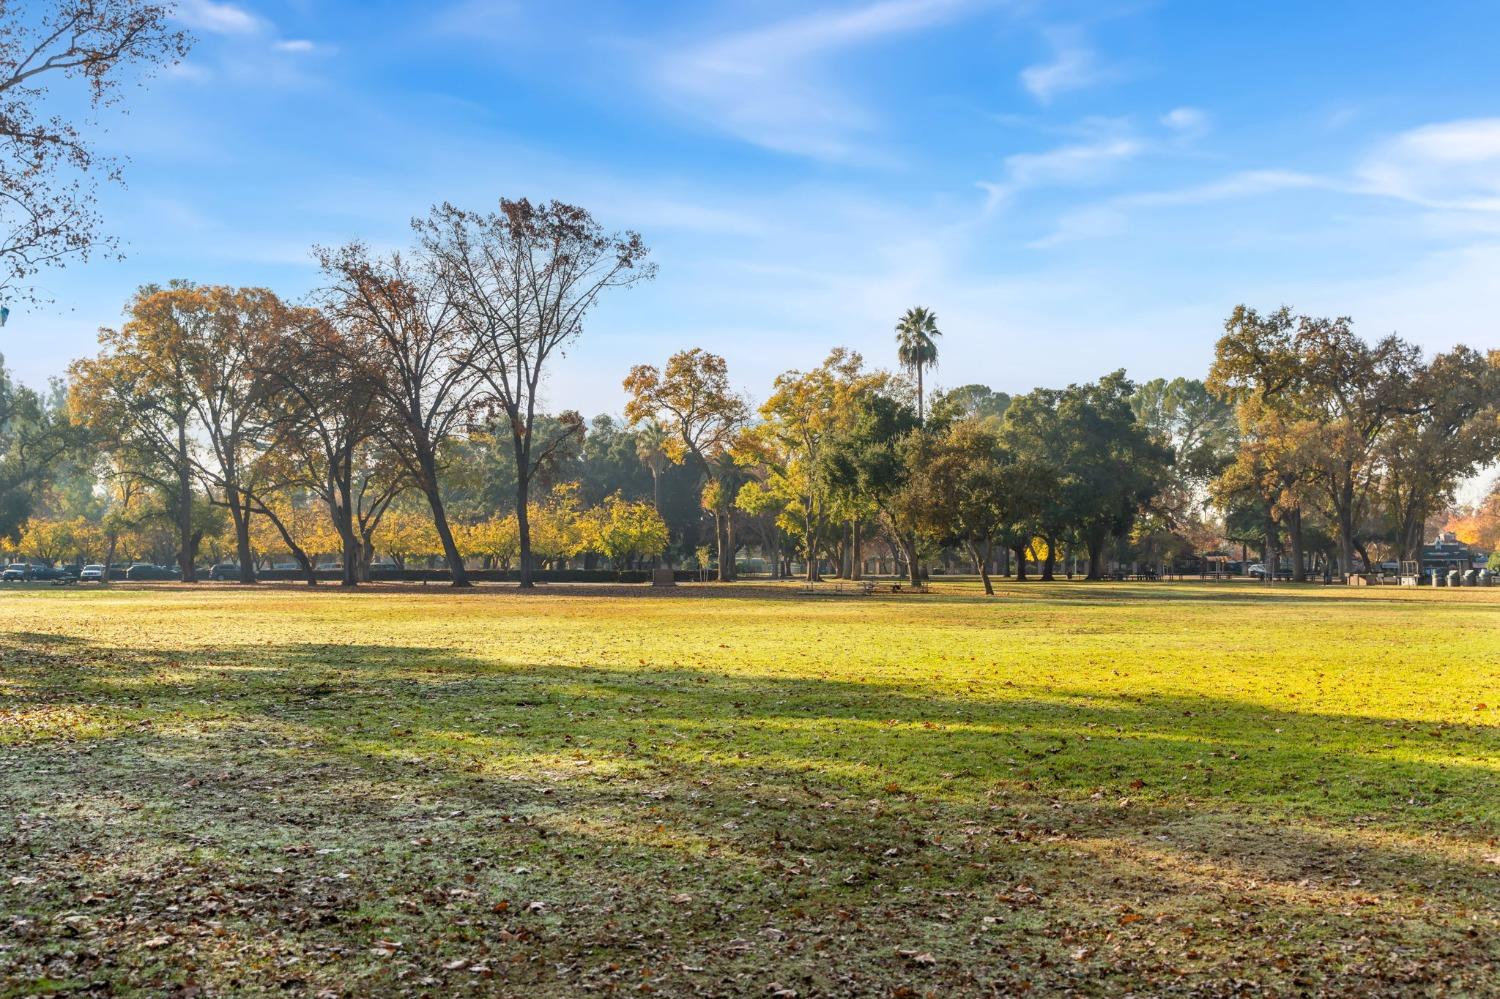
916 346
650 447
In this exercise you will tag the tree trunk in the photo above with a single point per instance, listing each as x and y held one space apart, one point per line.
914 570
1346 526
240 514
1020 553
857 555
728 572
349 544
1050 560
1413 519
810 543
186 546
1294 538
724 574
366 554
523 534
301 556
434 496
1095 540
1268 560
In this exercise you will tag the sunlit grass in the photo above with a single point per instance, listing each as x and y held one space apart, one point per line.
716 790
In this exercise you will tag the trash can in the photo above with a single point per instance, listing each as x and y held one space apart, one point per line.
1453 578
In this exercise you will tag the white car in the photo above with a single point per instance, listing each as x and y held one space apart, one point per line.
91 574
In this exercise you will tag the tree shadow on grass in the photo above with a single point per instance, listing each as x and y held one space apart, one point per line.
762 827
1391 771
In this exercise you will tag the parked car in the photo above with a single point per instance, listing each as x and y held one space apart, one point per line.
146 571
1258 570
225 571
16 572
91 574
47 572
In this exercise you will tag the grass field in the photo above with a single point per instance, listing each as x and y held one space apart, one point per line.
1165 789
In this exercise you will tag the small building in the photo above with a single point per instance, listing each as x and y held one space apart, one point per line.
1446 552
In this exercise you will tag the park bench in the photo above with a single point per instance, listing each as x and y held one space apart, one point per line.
863 587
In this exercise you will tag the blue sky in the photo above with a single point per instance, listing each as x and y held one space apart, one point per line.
1072 187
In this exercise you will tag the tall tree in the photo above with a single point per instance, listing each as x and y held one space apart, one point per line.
1333 390
1448 428
879 458
802 420
650 448
225 359
1107 465
1040 441
325 421
522 281
916 345
399 325
972 490
48 165
693 399
140 398
35 434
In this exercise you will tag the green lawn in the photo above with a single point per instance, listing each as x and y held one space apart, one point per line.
1194 788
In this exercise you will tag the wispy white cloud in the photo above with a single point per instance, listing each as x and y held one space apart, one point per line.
1073 66
768 87
235 21
1450 166
1243 184
1111 216
1450 169
1186 120
219 18
1079 163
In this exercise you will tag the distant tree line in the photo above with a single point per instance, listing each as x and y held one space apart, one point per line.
397 412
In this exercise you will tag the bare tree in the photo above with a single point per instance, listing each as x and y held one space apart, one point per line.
521 281
399 327
327 417
47 166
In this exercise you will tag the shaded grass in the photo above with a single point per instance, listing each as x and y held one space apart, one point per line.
1158 788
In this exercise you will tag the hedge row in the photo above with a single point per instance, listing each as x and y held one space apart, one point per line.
380 575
